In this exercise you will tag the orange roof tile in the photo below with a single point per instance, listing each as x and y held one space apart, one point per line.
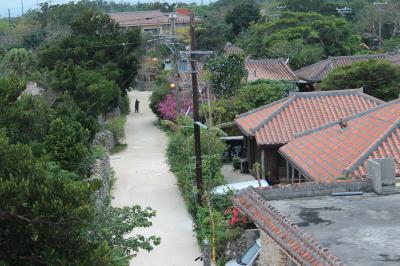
277 123
300 246
230 48
269 69
329 152
320 70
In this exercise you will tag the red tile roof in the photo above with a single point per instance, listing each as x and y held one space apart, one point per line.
277 123
329 152
269 69
230 48
320 70
293 240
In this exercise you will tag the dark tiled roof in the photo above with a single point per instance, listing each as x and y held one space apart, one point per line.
278 122
330 152
269 69
230 48
320 70
292 239
146 18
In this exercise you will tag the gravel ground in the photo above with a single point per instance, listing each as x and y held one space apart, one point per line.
143 178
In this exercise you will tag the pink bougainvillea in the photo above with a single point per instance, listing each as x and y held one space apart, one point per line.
167 108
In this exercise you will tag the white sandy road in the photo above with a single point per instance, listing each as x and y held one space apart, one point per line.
143 178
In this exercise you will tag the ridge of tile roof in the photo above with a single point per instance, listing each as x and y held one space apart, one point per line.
298 108
328 152
296 243
321 69
269 69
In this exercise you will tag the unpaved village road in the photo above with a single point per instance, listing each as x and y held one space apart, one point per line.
143 178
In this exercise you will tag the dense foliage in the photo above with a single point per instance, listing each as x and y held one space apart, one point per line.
49 208
226 74
299 36
248 97
210 221
378 78
240 17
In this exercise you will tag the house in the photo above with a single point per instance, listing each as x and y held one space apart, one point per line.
155 21
320 70
269 69
230 48
303 224
340 150
269 127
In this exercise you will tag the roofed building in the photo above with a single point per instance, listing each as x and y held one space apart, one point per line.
230 48
269 69
303 224
154 21
320 70
269 127
340 150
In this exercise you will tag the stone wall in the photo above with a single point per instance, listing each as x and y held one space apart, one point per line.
314 189
104 139
271 254
238 246
101 169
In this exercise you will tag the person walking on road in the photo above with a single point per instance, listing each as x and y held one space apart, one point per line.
137 106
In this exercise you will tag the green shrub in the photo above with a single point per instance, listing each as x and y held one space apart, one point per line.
210 220
116 126
125 105
236 163
156 97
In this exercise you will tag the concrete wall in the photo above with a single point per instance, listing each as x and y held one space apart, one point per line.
314 189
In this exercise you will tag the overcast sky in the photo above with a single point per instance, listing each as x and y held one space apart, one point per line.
15 5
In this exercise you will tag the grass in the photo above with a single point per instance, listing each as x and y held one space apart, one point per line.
118 148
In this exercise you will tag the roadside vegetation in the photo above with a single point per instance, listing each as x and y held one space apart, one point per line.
213 220
84 65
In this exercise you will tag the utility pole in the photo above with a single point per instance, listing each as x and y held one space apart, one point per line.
196 115
22 7
380 4
9 16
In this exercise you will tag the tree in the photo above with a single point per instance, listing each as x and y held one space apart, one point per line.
367 22
380 79
96 42
320 6
68 144
259 93
28 120
17 62
90 89
248 97
226 74
41 207
242 15
327 34
211 36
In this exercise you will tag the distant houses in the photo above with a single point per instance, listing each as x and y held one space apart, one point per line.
155 21
230 48
269 69
320 70
268 128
